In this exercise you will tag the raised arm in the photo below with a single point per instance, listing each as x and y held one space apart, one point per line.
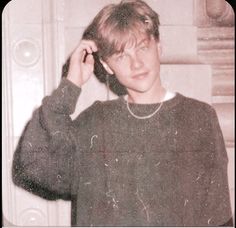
44 158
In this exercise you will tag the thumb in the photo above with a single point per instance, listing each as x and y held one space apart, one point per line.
89 59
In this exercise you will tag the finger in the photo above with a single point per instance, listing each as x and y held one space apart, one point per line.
94 47
82 57
81 53
91 44
89 49
83 47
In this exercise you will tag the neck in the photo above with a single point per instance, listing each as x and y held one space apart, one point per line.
155 95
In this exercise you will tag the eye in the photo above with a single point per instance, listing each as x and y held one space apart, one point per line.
144 48
120 57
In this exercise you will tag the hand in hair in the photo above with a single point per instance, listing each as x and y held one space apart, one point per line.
82 62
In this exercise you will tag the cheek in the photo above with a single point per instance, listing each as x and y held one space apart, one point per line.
121 75
121 71
153 58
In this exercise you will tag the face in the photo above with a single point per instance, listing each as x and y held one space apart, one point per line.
138 66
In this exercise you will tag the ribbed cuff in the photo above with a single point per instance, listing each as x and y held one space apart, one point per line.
63 99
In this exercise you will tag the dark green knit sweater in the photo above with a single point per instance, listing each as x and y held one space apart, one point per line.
168 170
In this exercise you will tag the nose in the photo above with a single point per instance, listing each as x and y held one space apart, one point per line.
136 62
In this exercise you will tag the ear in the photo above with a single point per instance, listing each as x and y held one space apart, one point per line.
107 68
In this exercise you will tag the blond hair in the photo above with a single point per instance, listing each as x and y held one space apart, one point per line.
115 26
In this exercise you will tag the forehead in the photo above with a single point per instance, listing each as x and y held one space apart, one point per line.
135 39
129 39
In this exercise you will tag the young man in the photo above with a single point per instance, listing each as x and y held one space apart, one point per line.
148 158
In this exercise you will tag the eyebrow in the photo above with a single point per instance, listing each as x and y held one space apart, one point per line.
137 45
142 41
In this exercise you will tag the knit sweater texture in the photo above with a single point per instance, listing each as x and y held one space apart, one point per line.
168 170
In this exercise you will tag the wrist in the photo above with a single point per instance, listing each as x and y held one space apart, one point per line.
75 81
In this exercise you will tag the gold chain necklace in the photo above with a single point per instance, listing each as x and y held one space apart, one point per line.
143 117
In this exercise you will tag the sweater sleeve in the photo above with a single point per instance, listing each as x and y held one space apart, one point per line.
217 210
43 160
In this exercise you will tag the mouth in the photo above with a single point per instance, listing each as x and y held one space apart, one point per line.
140 76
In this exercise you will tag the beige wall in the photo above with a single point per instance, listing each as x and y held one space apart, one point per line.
198 61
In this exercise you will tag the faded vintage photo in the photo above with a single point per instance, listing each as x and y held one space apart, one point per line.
118 113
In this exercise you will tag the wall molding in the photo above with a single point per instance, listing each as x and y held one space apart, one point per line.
215 46
9 212
220 11
210 13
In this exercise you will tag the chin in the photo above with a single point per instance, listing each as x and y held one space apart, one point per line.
141 86
141 89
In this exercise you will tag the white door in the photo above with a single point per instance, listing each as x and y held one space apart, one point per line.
29 73
34 50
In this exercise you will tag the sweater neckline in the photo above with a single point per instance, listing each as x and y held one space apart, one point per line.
166 104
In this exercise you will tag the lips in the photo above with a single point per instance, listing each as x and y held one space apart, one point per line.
140 76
